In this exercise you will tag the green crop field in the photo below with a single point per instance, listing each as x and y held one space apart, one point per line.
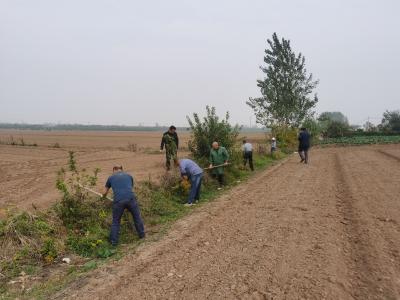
362 140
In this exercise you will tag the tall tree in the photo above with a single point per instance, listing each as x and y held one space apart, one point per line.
391 121
286 90
333 116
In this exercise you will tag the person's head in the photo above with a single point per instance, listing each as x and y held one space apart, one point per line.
303 129
244 141
172 129
273 139
215 145
117 169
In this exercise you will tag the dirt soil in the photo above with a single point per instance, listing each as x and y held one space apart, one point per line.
28 174
327 230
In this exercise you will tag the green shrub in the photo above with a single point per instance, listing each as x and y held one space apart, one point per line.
208 130
49 250
287 138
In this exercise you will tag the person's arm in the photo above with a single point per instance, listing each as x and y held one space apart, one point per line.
162 142
105 191
182 169
177 141
106 188
211 160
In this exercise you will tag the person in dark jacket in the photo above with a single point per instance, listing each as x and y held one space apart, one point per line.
122 184
171 142
304 144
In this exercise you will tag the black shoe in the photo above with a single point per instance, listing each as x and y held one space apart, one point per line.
142 236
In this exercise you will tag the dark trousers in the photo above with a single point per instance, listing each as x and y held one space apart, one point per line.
118 209
220 178
195 181
248 156
303 152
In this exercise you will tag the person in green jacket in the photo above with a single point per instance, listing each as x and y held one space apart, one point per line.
218 156
171 142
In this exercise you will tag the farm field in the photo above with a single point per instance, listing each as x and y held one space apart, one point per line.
362 140
288 233
28 173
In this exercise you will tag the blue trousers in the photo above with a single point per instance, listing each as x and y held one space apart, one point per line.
118 209
195 181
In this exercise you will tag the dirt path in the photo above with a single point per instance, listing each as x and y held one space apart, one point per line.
327 230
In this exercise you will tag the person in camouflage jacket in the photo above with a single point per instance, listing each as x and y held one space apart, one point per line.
171 142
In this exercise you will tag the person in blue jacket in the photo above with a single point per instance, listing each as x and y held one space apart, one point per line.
304 145
122 184
191 171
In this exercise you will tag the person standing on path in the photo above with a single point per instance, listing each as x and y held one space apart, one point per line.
247 149
273 146
218 156
171 142
190 170
122 184
304 145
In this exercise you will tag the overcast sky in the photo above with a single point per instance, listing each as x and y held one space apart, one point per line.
130 62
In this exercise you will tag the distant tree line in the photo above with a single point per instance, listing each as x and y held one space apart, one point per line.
79 127
336 124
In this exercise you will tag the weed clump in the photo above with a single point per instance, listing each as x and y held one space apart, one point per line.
28 240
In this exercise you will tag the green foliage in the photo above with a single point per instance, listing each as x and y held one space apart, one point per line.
27 240
287 138
362 140
286 89
314 128
91 244
369 127
208 130
337 129
72 161
76 207
49 249
391 121
333 116
333 124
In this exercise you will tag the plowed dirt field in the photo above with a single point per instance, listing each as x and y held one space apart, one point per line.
327 230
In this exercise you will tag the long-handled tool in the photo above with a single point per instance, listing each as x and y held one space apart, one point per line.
218 166
94 192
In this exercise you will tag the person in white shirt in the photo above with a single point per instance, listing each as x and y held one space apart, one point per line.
247 149
273 146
